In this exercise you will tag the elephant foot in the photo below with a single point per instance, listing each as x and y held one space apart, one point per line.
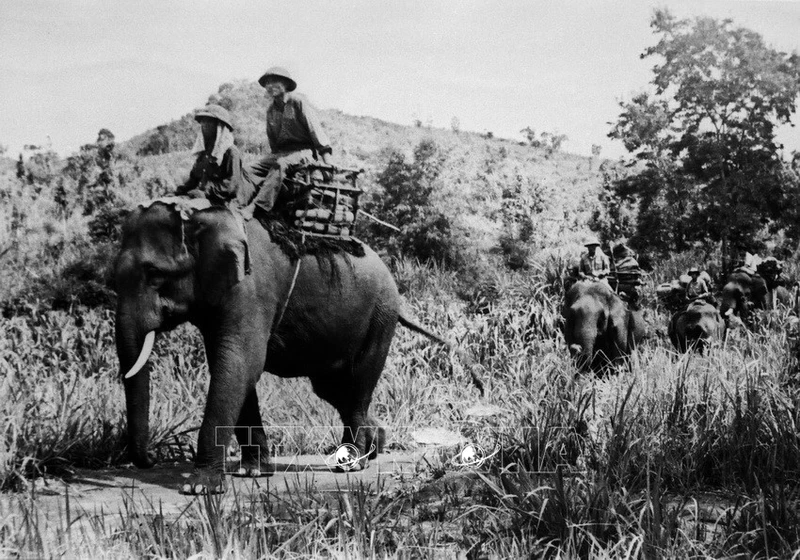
204 481
254 468
348 458
143 461
355 466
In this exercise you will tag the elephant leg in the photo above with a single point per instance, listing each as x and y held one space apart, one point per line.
352 401
252 439
236 359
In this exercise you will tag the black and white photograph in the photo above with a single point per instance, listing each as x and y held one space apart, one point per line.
470 280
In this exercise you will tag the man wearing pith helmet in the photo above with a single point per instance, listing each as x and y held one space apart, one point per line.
697 286
217 173
294 132
594 263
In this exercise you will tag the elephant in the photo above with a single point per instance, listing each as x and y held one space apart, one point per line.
599 328
330 319
746 290
743 291
696 326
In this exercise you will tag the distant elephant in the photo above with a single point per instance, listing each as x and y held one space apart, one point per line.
331 319
696 326
746 290
599 328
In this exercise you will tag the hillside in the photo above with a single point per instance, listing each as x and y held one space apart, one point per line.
477 168
501 201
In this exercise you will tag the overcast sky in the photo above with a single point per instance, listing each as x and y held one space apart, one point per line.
71 67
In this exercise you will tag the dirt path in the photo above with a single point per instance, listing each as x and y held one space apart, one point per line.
109 492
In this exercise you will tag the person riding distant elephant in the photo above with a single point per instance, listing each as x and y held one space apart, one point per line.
217 173
698 286
594 264
599 329
295 135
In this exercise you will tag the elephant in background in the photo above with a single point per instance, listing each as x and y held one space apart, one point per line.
746 290
743 291
330 319
696 326
599 328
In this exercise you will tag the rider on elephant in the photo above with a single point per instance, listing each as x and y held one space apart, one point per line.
698 286
218 173
594 263
295 134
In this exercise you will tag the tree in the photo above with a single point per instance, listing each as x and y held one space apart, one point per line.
406 201
704 136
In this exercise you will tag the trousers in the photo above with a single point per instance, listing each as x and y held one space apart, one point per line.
272 168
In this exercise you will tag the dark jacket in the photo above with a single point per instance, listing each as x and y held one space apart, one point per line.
220 182
294 125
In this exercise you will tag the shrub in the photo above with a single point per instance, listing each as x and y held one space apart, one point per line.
406 201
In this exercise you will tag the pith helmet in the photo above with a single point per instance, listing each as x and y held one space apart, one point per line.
214 111
591 240
283 73
694 270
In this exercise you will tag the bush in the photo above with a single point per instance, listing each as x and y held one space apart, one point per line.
426 233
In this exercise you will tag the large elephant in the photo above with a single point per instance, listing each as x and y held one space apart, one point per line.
599 328
696 326
330 319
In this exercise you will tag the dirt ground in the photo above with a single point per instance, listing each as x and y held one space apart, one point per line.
109 492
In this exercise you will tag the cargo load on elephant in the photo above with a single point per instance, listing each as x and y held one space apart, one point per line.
626 275
317 211
328 204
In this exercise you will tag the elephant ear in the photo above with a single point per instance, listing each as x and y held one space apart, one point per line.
221 254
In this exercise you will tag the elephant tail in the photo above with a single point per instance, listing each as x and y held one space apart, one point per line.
405 318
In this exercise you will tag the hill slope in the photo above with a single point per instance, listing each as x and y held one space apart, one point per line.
481 175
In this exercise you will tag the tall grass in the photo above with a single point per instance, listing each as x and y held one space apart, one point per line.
636 450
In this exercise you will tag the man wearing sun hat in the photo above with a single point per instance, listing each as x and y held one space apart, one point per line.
217 173
294 132
594 263
697 286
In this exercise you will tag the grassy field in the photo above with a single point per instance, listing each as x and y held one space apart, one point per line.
679 456
652 447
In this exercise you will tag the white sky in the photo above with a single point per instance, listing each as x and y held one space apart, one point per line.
71 67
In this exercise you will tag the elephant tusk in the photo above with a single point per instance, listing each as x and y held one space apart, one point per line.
149 339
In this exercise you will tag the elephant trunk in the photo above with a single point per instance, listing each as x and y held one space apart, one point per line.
133 352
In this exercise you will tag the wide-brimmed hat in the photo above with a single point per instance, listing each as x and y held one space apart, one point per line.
694 270
214 111
282 73
591 240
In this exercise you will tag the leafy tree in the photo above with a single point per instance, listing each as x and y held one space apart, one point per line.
548 141
406 201
709 167
157 143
